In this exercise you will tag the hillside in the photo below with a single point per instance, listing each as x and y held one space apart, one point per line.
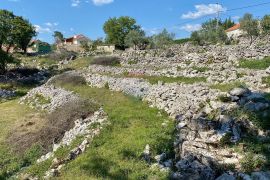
183 112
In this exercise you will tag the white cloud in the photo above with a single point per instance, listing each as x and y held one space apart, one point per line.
102 2
14 0
203 10
151 31
50 24
42 29
191 27
75 3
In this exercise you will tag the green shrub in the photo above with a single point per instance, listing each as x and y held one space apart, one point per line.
106 61
68 78
266 80
106 86
225 140
32 154
224 99
251 162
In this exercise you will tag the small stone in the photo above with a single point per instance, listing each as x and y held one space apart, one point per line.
239 91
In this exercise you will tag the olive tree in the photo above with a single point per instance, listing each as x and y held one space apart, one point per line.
163 39
265 24
136 39
250 26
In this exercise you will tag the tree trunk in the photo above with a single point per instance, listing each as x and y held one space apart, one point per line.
8 48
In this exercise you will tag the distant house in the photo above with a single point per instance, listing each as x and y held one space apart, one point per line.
37 46
76 40
234 32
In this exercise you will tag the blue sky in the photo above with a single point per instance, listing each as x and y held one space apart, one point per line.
88 16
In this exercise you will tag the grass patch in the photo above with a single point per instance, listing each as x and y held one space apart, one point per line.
255 64
256 151
225 87
12 115
181 79
201 69
116 153
80 63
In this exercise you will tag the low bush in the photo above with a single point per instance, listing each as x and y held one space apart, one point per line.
62 55
266 80
67 78
106 61
251 162
54 127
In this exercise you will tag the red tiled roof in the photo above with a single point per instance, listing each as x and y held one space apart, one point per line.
235 27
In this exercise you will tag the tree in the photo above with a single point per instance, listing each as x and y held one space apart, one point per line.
250 26
265 24
212 31
136 39
22 33
15 31
228 23
5 58
58 37
117 29
196 38
6 18
163 39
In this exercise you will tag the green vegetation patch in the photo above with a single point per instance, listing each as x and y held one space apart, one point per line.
266 80
12 114
106 61
116 152
165 79
255 64
225 87
201 69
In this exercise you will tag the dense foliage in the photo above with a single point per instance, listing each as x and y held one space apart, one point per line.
265 23
250 26
136 39
117 29
212 31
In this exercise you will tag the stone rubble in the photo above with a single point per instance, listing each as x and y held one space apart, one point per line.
199 138
82 128
55 97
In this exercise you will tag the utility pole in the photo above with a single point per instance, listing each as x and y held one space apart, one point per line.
217 18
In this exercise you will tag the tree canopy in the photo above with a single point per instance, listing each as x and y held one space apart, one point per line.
58 37
136 39
163 39
117 29
15 31
265 23
212 31
250 26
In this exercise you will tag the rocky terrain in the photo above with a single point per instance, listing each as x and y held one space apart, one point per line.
220 108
